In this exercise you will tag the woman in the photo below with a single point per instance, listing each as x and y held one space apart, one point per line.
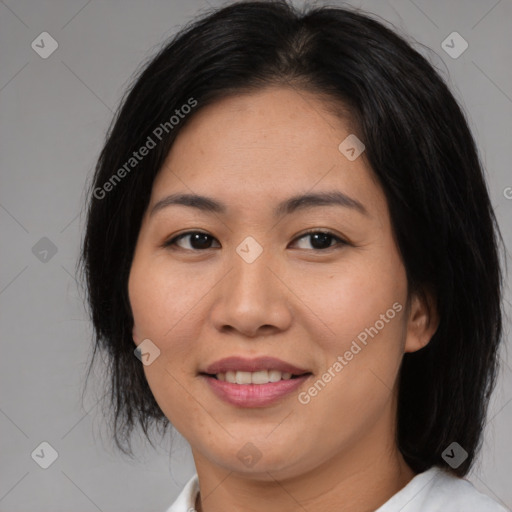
290 227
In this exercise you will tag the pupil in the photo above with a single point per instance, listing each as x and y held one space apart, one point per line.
323 238
202 240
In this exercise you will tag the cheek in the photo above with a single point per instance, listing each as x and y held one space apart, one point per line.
159 305
354 298
361 364
159 298
162 307
164 304
363 305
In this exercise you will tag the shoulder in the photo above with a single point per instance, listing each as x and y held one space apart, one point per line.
437 490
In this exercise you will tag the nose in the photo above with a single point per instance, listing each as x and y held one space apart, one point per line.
252 298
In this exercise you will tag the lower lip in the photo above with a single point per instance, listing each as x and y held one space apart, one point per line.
254 395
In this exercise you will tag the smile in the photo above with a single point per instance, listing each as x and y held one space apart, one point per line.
261 377
257 382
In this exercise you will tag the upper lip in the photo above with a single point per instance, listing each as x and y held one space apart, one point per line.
252 365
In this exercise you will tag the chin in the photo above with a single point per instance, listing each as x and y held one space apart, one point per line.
260 464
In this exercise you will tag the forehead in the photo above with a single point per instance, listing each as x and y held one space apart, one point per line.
269 144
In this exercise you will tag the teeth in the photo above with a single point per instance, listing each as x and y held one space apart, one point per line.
243 377
274 375
261 377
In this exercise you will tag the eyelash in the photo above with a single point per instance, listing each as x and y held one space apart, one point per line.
172 242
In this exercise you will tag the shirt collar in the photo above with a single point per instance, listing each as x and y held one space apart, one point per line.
186 500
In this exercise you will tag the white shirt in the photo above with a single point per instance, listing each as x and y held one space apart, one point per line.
434 490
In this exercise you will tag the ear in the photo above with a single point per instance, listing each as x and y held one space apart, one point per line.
423 319
135 336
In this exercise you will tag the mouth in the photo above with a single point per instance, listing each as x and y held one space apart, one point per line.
258 378
258 365
256 382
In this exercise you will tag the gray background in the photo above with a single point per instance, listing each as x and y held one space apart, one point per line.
53 116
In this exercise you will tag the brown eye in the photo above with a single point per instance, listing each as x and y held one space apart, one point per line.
197 241
321 240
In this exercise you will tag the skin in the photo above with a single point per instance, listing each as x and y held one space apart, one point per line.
295 302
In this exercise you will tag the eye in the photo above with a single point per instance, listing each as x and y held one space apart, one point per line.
197 240
321 240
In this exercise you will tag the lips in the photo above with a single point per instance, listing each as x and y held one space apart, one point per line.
252 365
255 395
258 382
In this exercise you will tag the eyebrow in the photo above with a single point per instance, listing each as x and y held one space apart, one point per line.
286 207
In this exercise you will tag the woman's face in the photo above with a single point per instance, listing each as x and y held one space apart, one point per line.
255 285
